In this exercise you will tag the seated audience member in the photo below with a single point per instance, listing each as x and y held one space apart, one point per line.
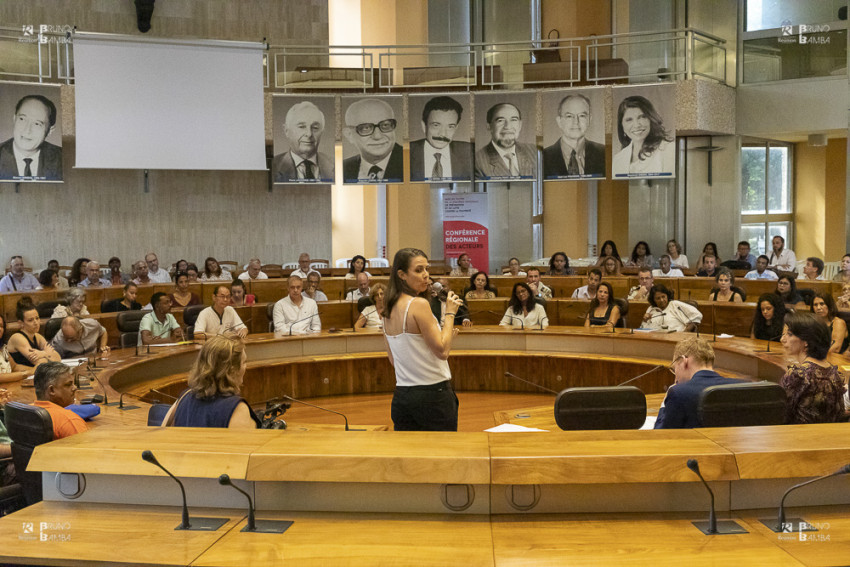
723 291
781 259
559 265
611 267
479 287
514 269
843 274
253 272
594 276
645 281
743 254
539 289
304 269
813 270
371 317
603 311
296 314
693 366
439 295
609 248
54 391
220 317
93 278
761 272
10 371
140 273
17 279
710 249
524 311
7 469
667 314
769 318
314 281
666 269
192 272
238 295
155 273
215 379
27 347
116 276
54 265
709 266
843 300
677 259
214 273
181 295
464 267
786 288
76 299
823 306
159 326
80 337
814 388
78 272
180 266
125 303
357 265
641 256
362 289
48 280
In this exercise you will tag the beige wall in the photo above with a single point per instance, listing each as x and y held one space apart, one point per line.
819 205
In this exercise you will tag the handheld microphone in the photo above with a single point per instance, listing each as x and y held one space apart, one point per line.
290 398
544 388
265 526
630 380
780 524
201 524
711 527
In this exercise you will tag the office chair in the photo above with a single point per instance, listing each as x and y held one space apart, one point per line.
600 407
28 427
741 405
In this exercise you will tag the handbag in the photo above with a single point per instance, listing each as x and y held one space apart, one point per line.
548 55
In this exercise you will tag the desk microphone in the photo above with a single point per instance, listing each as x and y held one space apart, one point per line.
714 321
710 527
316 314
200 524
781 523
290 398
696 324
235 325
521 324
121 405
544 388
140 345
630 380
155 391
102 398
266 526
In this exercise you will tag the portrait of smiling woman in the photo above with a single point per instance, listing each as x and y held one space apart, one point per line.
648 145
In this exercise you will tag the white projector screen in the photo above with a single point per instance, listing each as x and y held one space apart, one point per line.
143 104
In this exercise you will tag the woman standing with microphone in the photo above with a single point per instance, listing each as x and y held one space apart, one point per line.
418 349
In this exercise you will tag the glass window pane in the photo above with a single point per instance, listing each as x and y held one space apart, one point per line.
780 229
778 182
752 180
769 14
754 234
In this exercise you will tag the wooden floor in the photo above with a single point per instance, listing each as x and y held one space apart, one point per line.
475 413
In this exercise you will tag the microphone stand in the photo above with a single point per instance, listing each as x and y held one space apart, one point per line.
290 398
544 388
781 525
263 526
714 321
712 526
630 380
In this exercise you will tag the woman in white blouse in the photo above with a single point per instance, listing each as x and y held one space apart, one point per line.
76 299
524 311
667 314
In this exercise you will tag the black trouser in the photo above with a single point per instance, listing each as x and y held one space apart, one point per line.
425 408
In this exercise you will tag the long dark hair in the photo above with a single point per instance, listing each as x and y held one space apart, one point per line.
769 331
354 259
791 296
657 132
516 305
594 303
3 319
397 286
74 278
487 285
614 251
660 288
831 307
812 331
567 270
207 271
634 250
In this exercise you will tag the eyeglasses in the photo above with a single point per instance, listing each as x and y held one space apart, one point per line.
672 367
223 296
384 126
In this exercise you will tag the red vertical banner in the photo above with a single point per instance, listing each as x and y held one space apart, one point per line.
465 228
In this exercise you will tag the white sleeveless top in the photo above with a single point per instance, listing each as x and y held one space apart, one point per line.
415 364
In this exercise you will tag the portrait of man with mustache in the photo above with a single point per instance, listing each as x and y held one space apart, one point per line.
438 157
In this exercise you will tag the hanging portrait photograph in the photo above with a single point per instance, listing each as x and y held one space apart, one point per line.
505 137
304 131
644 132
573 134
31 128
371 136
439 130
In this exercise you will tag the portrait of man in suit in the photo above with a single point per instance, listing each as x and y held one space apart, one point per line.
573 155
27 155
505 157
438 157
303 163
370 126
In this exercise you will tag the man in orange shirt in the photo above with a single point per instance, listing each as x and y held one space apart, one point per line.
54 389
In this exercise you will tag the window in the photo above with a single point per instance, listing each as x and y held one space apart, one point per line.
766 194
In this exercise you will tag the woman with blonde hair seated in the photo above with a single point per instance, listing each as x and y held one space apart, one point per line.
76 299
370 317
215 381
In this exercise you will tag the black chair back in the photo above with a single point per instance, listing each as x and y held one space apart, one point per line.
623 306
156 414
363 303
45 308
601 407
270 315
808 295
190 314
128 321
51 328
742 405
28 427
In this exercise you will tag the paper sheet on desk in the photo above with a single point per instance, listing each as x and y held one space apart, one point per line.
73 362
725 336
509 427
649 423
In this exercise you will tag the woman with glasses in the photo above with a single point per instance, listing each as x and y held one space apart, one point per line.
220 317
76 299
524 310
